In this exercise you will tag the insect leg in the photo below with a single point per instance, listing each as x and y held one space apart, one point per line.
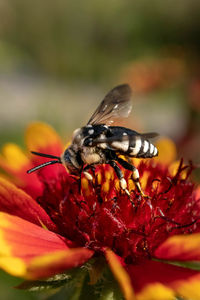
87 174
120 175
135 174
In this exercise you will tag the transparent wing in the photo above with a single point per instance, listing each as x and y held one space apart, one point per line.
116 104
149 135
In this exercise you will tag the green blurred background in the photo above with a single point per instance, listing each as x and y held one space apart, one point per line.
59 58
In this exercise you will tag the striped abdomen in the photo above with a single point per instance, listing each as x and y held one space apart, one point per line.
140 147
131 143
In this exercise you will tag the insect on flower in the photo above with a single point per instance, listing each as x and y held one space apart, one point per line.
100 143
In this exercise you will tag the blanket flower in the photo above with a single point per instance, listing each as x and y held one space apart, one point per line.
51 221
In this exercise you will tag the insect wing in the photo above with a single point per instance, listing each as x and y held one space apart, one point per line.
116 104
149 135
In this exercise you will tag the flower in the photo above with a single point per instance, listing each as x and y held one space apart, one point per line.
147 75
51 221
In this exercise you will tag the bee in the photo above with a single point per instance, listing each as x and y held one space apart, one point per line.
100 143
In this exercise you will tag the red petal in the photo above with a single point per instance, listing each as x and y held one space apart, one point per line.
27 240
163 281
180 247
41 137
33 251
16 202
15 162
57 262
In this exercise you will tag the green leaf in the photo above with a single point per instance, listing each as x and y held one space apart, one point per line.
73 288
94 280
80 286
40 285
194 265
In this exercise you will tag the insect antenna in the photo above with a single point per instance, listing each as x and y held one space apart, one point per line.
51 162
45 155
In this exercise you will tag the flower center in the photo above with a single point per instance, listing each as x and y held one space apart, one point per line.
97 214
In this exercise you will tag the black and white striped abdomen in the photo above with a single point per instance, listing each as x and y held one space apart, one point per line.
140 147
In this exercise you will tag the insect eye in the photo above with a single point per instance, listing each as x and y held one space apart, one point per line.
88 142
66 157
70 161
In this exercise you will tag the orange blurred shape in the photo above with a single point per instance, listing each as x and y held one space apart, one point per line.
147 75
167 151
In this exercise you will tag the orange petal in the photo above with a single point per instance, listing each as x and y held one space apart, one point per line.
43 138
180 248
173 168
57 262
22 239
13 157
190 289
156 291
16 202
197 192
159 281
12 265
120 274
14 161
30 251
167 151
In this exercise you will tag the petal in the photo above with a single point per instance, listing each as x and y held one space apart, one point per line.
197 193
167 151
180 248
16 202
159 281
22 239
12 265
13 158
190 288
14 161
43 138
120 274
30 251
173 168
57 262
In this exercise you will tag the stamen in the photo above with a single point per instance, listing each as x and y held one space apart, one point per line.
168 189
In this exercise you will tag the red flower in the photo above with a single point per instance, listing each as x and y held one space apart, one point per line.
148 75
50 221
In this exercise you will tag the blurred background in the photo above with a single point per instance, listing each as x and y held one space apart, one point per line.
58 59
